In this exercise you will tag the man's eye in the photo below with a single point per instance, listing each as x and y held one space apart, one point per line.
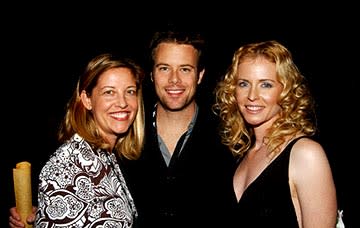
108 92
185 70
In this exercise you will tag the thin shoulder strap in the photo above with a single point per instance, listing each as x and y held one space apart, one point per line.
291 144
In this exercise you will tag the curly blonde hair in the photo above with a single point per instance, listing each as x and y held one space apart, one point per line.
297 115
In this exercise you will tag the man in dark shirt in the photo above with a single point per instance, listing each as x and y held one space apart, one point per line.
182 147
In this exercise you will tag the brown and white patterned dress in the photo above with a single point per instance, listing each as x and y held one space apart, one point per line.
82 187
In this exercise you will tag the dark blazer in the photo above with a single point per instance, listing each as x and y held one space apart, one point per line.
195 190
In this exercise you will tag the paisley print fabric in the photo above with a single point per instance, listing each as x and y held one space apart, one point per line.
82 187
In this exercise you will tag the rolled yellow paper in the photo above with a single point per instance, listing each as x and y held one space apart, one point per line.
22 188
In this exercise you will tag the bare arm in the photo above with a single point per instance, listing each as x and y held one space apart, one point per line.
310 173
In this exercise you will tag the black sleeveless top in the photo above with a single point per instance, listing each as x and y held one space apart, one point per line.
267 201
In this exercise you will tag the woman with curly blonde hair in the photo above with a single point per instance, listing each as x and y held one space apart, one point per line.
283 177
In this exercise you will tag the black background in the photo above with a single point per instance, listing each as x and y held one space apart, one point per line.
44 48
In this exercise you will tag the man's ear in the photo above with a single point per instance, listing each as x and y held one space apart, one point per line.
151 77
85 100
